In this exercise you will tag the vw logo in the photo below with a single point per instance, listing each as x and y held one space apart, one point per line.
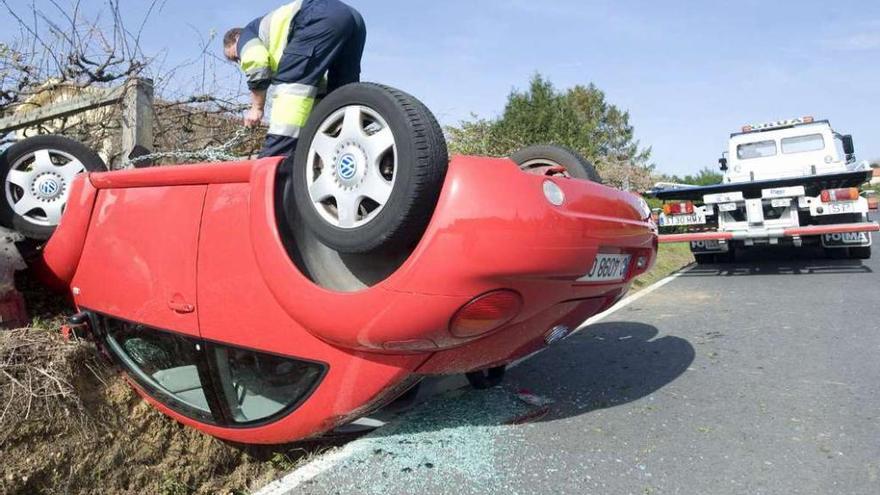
49 187
347 167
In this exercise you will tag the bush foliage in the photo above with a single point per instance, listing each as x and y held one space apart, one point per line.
580 118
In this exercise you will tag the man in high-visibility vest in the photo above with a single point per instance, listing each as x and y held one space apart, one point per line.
292 49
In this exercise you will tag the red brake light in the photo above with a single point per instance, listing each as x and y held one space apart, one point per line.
486 313
845 194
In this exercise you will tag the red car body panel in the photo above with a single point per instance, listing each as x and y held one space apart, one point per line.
196 250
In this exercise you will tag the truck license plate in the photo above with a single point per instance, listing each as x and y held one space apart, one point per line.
842 207
846 240
678 220
608 268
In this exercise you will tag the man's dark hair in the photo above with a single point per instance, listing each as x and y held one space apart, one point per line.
231 36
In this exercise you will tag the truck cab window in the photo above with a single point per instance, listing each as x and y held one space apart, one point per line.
803 144
760 149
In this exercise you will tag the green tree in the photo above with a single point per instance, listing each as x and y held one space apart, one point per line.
705 177
580 118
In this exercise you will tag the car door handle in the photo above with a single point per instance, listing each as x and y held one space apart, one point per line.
179 305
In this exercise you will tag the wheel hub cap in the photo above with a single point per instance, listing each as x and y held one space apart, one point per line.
48 186
350 166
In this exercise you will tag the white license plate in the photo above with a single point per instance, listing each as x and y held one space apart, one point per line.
677 220
780 203
846 240
727 207
711 246
608 268
841 207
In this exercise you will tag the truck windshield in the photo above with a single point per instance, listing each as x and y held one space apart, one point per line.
802 144
760 149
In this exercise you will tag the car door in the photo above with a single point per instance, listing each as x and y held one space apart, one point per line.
139 259
137 276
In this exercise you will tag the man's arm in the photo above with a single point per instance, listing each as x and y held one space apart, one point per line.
254 58
254 116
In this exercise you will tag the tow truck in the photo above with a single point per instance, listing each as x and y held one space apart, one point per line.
792 182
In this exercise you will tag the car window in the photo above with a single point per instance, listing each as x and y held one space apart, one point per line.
162 361
802 144
214 383
760 149
257 386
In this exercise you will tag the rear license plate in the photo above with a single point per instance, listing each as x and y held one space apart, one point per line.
841 207
846 240
708 246
677 220
608 268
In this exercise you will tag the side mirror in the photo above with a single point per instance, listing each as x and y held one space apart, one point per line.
723 163
848 147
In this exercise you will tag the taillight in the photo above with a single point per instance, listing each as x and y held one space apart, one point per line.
845 194
486 313
686 208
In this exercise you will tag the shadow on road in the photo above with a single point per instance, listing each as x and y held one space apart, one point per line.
817 267
606 365
603 366
781 261
452 439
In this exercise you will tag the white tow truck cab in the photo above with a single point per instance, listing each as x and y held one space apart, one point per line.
793 182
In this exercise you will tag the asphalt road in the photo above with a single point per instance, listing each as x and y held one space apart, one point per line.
758 377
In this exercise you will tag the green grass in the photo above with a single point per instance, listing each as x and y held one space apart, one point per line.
670 259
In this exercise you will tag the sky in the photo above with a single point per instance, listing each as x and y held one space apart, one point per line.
689 72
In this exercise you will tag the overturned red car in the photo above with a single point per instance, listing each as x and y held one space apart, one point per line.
272 300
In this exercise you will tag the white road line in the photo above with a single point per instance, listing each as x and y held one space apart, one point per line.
635 297
289 483
312 469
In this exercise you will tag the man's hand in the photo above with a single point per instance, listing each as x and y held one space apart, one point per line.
253 117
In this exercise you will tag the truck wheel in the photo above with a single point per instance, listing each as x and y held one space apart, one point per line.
860 253
368 169
555 160
836 253
37 176
704 258
728 257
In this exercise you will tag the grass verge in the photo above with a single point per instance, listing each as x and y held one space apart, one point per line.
670 259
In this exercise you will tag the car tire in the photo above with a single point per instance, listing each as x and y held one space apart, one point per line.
368 170
704 258
860 253
555 160
37 175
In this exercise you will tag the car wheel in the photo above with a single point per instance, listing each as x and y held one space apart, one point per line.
704 258
368 170
555 160
37 176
